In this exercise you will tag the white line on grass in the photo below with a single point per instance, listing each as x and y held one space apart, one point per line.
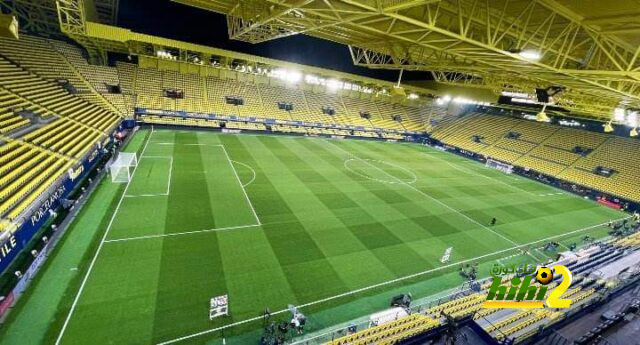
95 256
427 195
181 233
413 180
170 173
170 158
188 144
540 252
240 182
352 292
250 168
518 178
469 171
144 195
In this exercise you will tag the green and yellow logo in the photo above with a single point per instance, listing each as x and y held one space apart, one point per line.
523 294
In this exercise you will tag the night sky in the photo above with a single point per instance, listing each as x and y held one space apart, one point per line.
172 20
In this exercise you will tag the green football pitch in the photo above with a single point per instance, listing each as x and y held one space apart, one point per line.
318 223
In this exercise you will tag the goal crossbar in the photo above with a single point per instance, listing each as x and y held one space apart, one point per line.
122 167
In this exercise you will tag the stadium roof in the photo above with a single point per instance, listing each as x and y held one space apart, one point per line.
591 47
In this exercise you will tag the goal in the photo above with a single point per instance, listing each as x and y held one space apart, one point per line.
505 168
122 168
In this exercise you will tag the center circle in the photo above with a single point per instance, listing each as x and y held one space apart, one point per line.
378 166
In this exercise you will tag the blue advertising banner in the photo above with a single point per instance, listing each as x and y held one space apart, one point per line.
21 237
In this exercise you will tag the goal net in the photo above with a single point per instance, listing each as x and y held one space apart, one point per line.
122 168
505 168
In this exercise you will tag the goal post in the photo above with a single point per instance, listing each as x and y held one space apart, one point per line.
505 168
122 167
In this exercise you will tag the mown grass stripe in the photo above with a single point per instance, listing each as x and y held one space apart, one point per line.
191 270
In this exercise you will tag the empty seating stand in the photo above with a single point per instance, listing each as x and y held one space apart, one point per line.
551 150
206 94
390 332
60 128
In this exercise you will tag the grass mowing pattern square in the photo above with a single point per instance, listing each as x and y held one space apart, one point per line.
335 216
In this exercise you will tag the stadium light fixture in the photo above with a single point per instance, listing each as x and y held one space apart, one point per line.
293 76
515 94
529 54
463 100
334 84
443 100
618 114
311 79
290 76
632 119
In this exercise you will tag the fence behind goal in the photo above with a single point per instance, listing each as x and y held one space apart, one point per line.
122 167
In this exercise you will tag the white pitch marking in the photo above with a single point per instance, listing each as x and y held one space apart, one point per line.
465 170
187 144
181 233
170 158
240 182
170 173
428 196
352 292
144 195
414 180
250 168
95 257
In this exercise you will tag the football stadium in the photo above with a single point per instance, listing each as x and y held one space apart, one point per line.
319 172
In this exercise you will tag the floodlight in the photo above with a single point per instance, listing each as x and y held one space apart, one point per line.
532 55
293 76
413 96
333 84
632 119
618 114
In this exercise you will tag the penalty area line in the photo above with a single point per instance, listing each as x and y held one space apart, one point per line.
181 233
244 191
352 292
144 195
427 195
